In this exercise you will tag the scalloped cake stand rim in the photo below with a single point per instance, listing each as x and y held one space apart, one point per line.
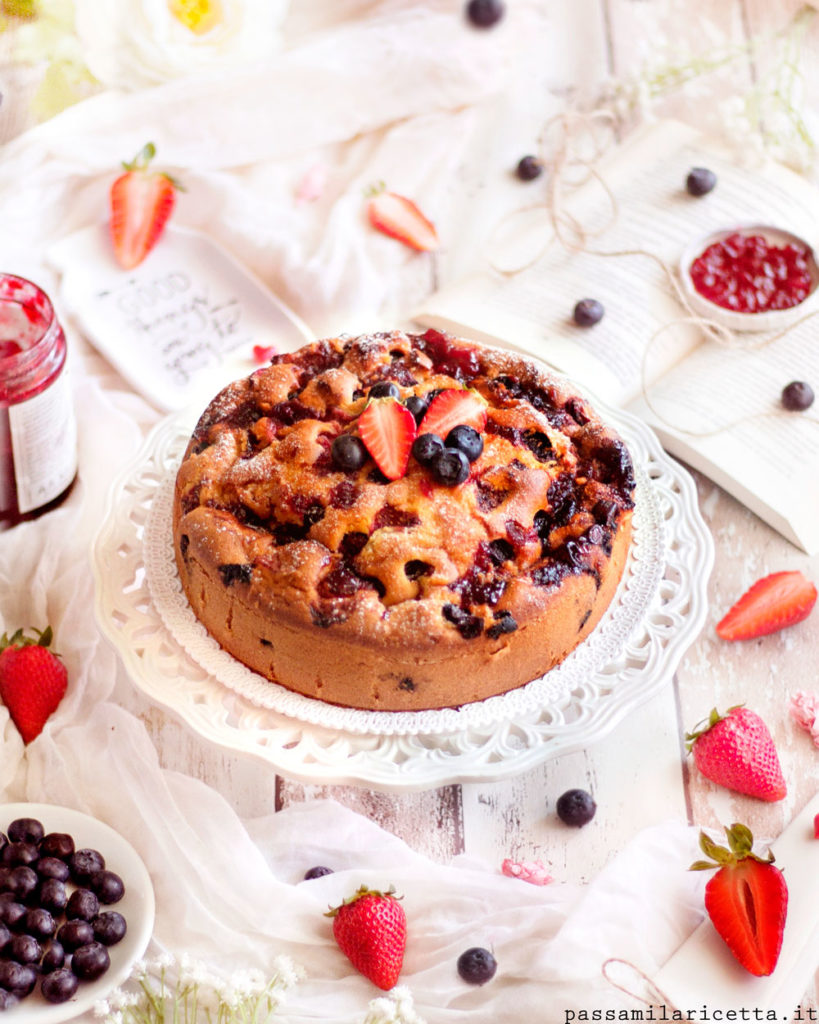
393 762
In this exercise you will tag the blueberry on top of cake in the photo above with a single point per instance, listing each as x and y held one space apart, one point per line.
401 521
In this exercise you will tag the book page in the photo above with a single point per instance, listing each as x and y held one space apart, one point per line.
716 407
720 411
654 220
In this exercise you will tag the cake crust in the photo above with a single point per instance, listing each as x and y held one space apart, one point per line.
400 594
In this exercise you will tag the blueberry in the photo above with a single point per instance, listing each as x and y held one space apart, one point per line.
7 999
57 844
90 961
465 439
426 448
39 923
107 886
576 807
83 905
17 978
53 958
529 168
26 830
451 467
317 872
53 896
348 452
52 867
588 312
485 13
25 949
60 985
797 396
384 389
700 181
477 966
417 406
23 881
19 853
109 927
74 934
83 864
5 936
11 914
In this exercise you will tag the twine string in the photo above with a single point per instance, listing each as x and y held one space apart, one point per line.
560 144
656 997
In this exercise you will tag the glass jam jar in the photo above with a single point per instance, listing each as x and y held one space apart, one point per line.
38 431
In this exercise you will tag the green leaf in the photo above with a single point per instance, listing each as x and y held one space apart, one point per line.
712 850
740 839
702 865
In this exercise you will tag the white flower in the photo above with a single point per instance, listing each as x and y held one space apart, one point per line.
394 1008
147 42
102 1008
288 972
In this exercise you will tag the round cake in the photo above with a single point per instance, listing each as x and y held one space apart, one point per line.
401 521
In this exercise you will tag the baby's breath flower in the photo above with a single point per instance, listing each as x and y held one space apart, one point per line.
101 1008
172 991
395 1008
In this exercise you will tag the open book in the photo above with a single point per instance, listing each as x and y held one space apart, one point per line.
715 406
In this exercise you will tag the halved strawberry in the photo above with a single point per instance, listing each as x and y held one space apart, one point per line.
400 218
141 203
747 899
451 408
779 600
388 429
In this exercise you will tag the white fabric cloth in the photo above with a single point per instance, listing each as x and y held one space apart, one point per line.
400 92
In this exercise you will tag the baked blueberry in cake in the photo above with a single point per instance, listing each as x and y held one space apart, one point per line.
401 521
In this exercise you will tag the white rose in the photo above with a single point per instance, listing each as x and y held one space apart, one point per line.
128 44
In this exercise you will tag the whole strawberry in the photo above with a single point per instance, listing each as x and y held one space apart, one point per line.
371 931
33 680
747 899
736 750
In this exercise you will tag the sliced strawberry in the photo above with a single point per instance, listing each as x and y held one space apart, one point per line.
400 218
747 899
451 408
141 203
779 600
388 429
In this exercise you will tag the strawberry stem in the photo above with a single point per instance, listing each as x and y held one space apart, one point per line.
740 843
143 159
361 892
702 727
19 639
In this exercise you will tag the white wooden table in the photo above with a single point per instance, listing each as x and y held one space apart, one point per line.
639 774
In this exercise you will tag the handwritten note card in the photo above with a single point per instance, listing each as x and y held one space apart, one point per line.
182 324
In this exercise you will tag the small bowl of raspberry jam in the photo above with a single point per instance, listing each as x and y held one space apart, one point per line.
752 278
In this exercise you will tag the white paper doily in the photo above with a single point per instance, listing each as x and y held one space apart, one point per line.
659 609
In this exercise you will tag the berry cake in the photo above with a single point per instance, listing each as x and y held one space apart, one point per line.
401 522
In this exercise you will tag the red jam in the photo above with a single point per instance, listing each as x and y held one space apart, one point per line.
748 274
38 434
